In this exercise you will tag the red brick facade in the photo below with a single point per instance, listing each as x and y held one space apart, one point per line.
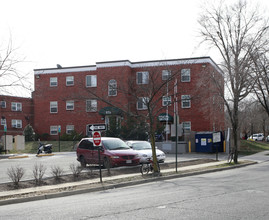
61 94
15 113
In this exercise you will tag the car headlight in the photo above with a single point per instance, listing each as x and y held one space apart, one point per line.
115 157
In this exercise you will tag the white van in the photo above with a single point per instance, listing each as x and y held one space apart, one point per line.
257 137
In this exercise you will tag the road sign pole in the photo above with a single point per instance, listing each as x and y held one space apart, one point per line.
96 136
59 135
5 143
100 170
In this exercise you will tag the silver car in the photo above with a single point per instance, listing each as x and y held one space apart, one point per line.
143 148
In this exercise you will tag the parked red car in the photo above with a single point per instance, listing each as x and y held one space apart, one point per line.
114 153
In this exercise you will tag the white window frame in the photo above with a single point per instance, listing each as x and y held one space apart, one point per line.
16 123
112 87
53 81
16 106
53 105
69 129
144 79
185 101
185 75
167 100
54 130
142 101
3 121
69 80
166 74
186 125
70 105
91 105
91 81
3 104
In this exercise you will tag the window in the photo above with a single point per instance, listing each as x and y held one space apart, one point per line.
3 104
166 74
166 100
54 130
53 81
142 77
3 121
91 81
112 87
185 75
16 123
142 103
70 105
53 107
16 106
70 80
69 129
185 101
91 105
86 144
187 126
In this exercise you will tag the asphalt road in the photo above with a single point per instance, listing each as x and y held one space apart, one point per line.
232 194
65 159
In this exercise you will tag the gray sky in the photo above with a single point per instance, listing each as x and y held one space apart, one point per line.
83 32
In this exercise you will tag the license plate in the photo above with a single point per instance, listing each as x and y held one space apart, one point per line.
128 161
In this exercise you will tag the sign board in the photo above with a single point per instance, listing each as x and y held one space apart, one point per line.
97 127
59 128
5 128
96 136
216 137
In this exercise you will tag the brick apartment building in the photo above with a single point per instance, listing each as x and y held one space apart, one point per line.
76 97
15 114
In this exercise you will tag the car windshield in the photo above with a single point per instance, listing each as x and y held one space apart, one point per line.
115 144
141 145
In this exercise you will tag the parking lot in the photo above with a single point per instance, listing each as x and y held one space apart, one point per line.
65 159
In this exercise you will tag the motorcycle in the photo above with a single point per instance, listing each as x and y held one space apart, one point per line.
44 148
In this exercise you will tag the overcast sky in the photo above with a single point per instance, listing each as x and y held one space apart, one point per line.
83 32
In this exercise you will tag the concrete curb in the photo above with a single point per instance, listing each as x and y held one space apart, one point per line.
43 155
107 186
18 157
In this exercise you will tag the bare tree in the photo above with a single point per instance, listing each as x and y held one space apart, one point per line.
235 30
147 94
261 75
10 75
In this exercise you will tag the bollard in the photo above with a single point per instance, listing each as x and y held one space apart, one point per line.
189 146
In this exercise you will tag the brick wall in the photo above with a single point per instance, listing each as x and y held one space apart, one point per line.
202 114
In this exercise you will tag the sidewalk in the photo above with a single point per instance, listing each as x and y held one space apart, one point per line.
91 185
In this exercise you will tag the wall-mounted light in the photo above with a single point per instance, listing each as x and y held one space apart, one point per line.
204 65
37 76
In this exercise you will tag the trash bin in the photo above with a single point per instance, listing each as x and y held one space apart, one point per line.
204 143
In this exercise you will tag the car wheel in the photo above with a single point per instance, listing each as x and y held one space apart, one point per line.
82 161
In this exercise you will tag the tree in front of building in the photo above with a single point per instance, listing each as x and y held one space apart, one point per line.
145 91
236 31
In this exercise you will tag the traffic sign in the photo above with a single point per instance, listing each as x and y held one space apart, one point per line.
96 136
97 127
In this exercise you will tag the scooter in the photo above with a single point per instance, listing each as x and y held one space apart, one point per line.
44 148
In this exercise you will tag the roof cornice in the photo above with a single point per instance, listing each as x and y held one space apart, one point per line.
120 63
